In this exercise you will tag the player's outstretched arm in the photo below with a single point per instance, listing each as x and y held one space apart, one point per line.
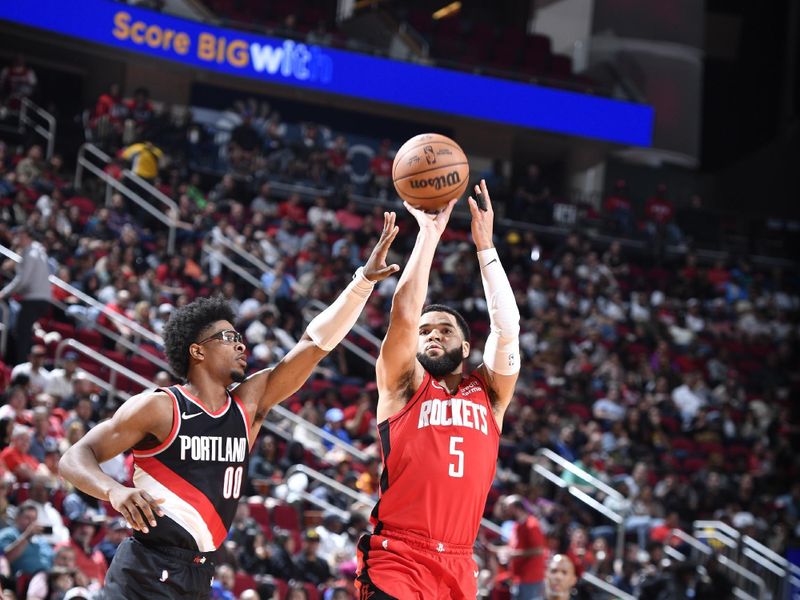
268 387
143 414
397 366
501 360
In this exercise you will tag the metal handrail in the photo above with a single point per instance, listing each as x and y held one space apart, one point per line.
618 519
5 311
297 420
114 366
723 560
770 554
723 527
331 483
232 266
248 256
578 472
86 299
48 134
327 506
601 584
111 183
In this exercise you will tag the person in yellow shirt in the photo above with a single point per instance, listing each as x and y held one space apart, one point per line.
146 158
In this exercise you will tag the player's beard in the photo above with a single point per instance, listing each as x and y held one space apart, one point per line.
443 365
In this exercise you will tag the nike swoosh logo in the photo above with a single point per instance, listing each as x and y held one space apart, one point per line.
477 573
490 262
187 416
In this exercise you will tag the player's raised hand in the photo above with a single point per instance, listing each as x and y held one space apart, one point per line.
482 217
432 221
375 269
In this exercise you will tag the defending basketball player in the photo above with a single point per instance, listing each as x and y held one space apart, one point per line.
439 426
191 443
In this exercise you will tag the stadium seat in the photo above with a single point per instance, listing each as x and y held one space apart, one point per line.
285 517
243 581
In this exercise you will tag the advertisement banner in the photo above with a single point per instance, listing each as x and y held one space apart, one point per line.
328 70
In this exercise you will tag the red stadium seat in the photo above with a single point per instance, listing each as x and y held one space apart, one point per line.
243 581
285 517
312 591
260 513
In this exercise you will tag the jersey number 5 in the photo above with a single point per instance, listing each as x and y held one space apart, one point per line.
232 482
457 469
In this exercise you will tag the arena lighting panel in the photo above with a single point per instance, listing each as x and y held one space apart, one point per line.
288 62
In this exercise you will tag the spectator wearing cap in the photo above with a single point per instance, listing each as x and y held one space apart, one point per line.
61 578
334 424
116 532
310 566
26 550
78 593
31 283
38 376
88 561
17 458
47 516
61 379
335 545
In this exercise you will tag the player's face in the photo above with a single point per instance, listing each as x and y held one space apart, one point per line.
224 347
441 347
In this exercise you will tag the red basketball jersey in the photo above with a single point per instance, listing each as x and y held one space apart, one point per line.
439 460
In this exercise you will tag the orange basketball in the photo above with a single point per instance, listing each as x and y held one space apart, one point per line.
429 170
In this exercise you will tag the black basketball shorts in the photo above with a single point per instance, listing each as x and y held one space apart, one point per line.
140 572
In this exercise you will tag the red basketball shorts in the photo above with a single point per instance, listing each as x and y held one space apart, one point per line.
404 566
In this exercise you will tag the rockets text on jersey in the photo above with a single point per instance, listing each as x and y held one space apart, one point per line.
439 456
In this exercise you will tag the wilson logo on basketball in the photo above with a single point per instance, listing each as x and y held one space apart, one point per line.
437 183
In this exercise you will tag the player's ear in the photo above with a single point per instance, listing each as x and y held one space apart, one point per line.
464 349
196 351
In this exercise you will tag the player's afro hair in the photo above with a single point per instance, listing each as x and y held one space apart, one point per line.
462 322
185 326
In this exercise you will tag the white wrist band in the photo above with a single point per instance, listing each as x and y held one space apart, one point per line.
330 326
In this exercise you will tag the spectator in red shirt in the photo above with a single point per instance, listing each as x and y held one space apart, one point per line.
16 457
660 217
579 551
359 419
292 208
381 169
527 547
618 208
91 563
110 113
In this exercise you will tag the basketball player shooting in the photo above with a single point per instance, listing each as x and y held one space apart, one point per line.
191 443
439 427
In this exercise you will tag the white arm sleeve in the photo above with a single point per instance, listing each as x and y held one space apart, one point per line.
330 326
501 354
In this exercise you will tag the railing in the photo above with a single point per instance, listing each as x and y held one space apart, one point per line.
606 587
216 254
296 420
609 514
139 332
112 184
778 574
46 127
359 497
743 578
113 366
5 321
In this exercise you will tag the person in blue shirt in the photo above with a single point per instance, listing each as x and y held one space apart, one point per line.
334 425
22 544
